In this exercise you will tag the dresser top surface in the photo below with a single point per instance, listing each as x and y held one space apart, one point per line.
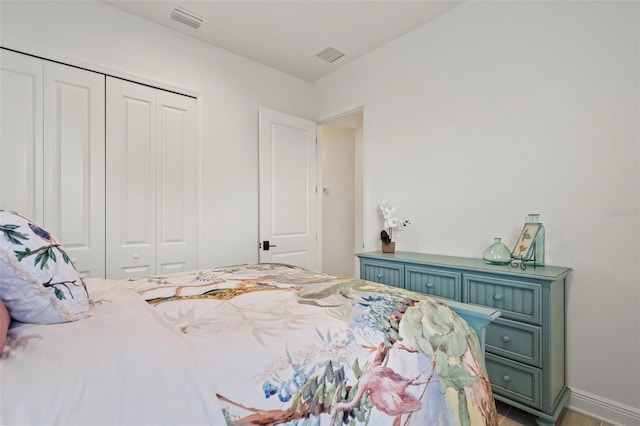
466 263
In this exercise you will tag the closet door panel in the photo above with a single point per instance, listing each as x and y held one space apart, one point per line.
21 142
131 175
176 248
74 170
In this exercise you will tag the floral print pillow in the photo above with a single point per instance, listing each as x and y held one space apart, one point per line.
38 282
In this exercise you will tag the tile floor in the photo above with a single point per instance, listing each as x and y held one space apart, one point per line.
513 417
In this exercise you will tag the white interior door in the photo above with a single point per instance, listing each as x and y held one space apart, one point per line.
21 143
176 193
131 179
288 190
74 171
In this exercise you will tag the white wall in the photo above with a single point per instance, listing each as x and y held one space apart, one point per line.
338 199
499 109
230 90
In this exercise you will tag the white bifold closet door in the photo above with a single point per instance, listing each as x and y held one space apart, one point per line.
151 181
74 172
21 122
52 153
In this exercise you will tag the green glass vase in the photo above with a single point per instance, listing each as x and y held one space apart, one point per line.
497 253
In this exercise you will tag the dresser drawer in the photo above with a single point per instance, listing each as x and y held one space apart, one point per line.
517 300
515 381
380 272
433 281
516 341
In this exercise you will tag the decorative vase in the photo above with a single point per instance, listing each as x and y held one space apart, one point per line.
389 247
538 241
497 253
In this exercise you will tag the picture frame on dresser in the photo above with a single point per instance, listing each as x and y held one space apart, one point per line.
524 248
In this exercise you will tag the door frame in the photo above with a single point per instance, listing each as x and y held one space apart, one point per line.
324 119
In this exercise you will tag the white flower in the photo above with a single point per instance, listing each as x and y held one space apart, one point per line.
387 210
390 221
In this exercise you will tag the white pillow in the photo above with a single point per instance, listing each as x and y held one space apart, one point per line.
38 282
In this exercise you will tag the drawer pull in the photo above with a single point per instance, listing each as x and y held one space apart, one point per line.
380 275
429 285
506 339
506 378
497 297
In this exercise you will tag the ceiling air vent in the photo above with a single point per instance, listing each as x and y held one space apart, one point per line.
330 54
183 16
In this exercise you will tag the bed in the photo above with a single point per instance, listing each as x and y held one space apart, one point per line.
246 344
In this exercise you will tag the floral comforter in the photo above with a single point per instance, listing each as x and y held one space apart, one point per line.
290 346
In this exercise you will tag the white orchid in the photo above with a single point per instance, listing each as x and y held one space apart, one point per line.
387 209
391 222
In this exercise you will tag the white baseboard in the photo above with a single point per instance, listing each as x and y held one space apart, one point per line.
604 409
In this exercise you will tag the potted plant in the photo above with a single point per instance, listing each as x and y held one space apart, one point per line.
391 222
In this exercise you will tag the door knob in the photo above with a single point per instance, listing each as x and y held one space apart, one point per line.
266 245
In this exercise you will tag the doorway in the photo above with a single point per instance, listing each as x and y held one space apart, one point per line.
341 146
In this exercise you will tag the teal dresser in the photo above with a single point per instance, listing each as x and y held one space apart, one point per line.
525 346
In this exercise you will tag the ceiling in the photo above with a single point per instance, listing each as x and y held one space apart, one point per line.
287 35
